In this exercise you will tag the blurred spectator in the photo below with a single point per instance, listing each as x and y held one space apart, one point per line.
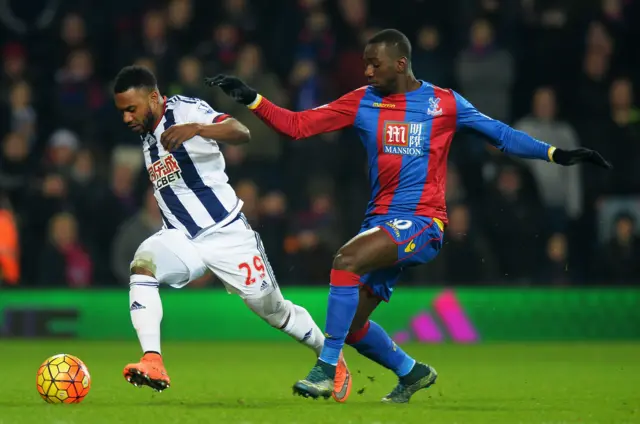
560 187
265 143
79 95
9 245
248 192
219 53
598 39
179 22
20 115
485 73
306 85
316 41
309 259
623 134
147 62
15 167
14 69
189 81
455 192
354 13
321 217
63 146
155 44
619 258
466 257
430 61
273 229
555 269
64 260
239 13
349 73
590 94
514 221
49 196
73 36
132 233
86 188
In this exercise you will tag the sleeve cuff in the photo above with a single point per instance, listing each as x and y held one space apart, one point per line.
253 105
220 118
550 153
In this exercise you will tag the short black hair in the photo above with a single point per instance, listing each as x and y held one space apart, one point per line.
395 38
134 76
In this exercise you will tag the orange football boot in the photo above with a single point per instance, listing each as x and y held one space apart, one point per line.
342 381
149 371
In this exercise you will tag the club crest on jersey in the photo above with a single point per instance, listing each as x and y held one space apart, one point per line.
403 138
164 172
434 107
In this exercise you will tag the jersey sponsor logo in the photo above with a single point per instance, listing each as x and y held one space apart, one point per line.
403 138
384 105
164 172
434 107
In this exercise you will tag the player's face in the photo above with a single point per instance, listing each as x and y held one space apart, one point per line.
382 68
137 107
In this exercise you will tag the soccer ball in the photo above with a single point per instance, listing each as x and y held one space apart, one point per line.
63 379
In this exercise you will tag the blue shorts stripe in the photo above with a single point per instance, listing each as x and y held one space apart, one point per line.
145 284
263 253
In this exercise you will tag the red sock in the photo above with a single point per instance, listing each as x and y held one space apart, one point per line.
342 278
358 335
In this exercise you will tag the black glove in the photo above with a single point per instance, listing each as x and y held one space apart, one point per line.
234 88
581 155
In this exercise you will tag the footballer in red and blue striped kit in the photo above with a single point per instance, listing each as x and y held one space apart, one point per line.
406 126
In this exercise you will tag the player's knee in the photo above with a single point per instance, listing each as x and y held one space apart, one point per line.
346 261
138 270
143 264
276 314
280 315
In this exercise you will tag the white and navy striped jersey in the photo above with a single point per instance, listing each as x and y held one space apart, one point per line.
190 183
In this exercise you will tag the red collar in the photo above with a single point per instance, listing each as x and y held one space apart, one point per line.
164 109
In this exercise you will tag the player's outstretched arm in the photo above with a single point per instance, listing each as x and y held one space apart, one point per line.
336 115
518 143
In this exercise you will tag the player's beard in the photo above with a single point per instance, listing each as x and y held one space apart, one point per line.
149 122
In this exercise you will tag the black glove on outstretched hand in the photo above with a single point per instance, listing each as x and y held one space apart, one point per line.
581 155
234 88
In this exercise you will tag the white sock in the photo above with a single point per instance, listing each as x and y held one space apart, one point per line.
277 311
304 329
146 311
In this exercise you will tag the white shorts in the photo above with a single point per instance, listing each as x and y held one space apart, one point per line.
234 253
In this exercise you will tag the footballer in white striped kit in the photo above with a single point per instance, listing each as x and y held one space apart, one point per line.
204 228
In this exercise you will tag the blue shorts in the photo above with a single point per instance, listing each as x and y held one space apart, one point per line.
419 240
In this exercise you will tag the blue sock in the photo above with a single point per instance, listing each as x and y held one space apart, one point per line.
374 343
343 302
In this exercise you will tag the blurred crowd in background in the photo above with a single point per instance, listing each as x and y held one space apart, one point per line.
75 201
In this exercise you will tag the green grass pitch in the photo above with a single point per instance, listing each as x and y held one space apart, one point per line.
250 383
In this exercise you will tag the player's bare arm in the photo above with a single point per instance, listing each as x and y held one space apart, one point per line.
333 116
229 131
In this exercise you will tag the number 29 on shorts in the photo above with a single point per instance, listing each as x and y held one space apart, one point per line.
258 266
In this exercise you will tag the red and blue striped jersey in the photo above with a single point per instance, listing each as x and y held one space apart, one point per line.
407 138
